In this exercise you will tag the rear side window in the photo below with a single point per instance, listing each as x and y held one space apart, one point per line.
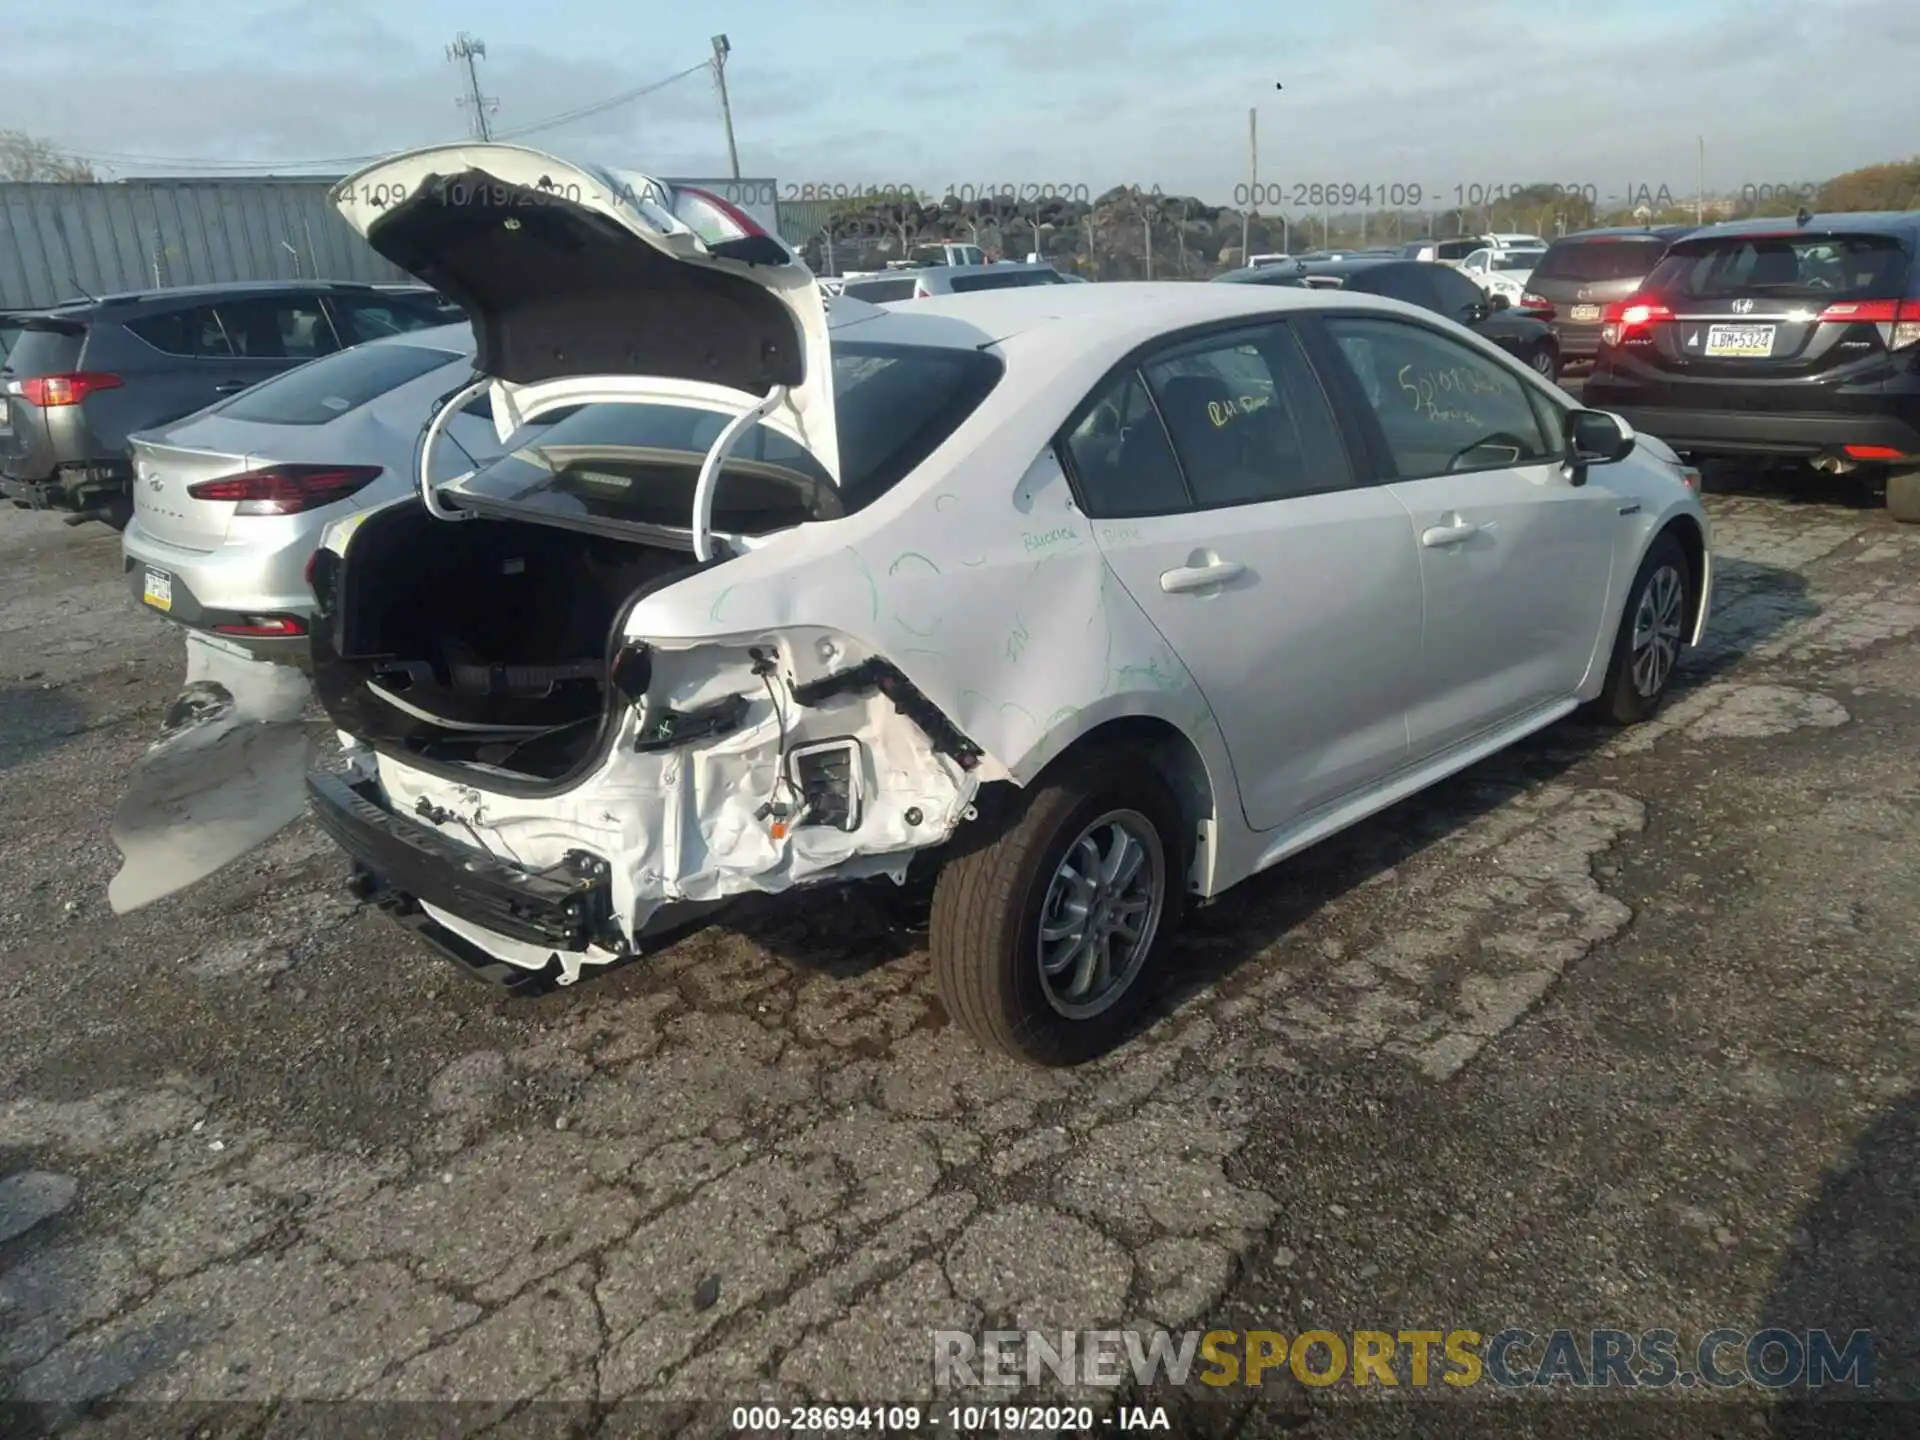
194 334
638 463
335 385
1456 249
1822 267
1593 262
290 327
1010 280
1409 283
879 292
1121 455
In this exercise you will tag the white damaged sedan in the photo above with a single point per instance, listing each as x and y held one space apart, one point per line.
1095 600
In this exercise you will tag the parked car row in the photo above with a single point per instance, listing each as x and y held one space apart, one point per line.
1086 602
80 377
1786 339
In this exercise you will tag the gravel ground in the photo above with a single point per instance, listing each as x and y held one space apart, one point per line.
1612 1030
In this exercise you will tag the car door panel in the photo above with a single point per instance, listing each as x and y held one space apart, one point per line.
1228 507
1513 610
1303 655
1515 560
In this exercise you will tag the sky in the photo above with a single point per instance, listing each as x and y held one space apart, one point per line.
1612 94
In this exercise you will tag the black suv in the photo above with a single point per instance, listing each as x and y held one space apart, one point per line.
1583 273
1787 338
1439 288
81 376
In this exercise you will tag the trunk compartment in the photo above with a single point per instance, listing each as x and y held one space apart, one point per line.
483 643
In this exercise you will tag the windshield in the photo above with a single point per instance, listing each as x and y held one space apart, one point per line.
1517 260
1814 267
638 463
1593 261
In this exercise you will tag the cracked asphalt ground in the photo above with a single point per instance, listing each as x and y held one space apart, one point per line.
1614 1029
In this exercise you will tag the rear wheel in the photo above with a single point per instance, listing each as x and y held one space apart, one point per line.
1652 633
1044 941
1546 361
1903 496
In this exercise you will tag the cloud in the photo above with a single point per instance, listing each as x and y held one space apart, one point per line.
1386 91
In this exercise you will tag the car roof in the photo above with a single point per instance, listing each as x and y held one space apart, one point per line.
1117 315
999 269
238 288
1626 232
456 337
1904 223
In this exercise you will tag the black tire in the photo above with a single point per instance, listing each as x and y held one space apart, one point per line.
1545 361
988 903
1903 496
1625 700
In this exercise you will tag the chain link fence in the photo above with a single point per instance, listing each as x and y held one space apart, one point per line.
1140 232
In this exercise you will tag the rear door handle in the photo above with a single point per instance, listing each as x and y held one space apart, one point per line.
1188 578
1453 534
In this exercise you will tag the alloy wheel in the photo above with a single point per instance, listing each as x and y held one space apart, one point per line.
1655 645
1102 910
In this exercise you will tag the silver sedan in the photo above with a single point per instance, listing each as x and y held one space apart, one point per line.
229 502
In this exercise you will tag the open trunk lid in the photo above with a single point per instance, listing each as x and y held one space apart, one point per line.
591 284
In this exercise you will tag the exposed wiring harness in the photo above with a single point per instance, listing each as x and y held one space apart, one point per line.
784 816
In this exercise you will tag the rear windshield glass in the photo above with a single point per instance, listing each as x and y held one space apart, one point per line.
1823 267
325 389
1593 261
963 283
638 463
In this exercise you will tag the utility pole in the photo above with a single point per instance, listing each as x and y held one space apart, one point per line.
721 49
467 49
1700 205
1253 183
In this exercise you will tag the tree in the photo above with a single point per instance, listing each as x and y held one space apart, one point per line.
1894 186
28 157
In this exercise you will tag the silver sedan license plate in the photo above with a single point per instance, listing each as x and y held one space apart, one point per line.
158 590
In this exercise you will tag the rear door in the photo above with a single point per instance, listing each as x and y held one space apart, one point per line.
1750 312
1230 506
1514 560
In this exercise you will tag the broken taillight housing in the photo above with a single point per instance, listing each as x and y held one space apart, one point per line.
286 489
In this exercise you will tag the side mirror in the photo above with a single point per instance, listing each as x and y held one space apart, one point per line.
1595 437
1499 300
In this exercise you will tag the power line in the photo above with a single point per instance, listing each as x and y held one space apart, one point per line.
122 157
613 102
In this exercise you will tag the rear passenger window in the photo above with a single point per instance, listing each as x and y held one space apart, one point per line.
193 333
281 328
1121 456
1249 420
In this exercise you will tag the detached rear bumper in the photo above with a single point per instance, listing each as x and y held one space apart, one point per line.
565 908
403 865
